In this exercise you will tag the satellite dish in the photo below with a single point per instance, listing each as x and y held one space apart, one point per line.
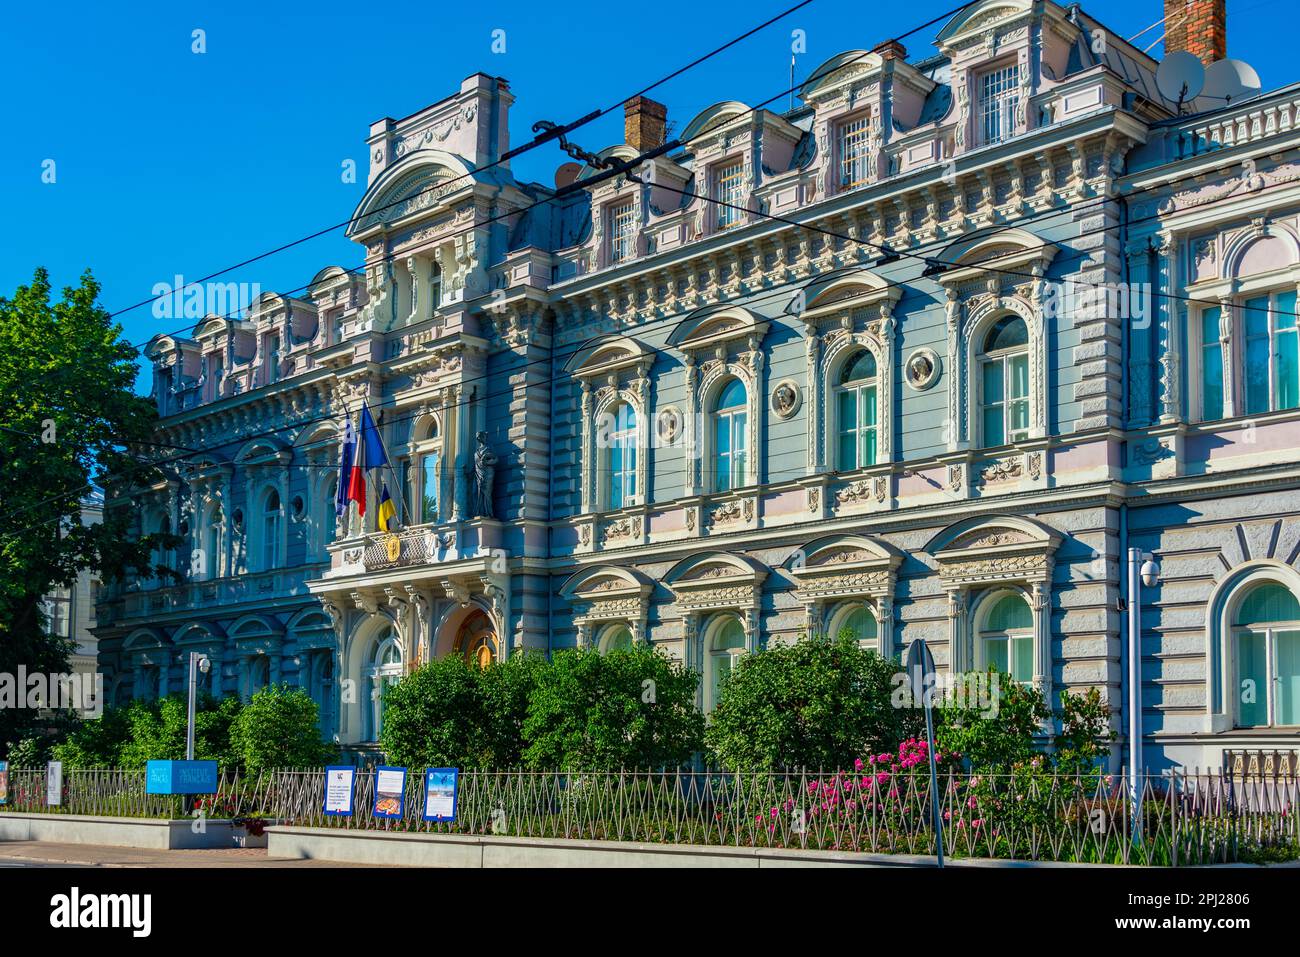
1231 80
566 174
1180 77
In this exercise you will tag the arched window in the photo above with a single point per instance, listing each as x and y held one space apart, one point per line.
1266 640
428 458
1005 636
730 436
857 620
620 456
1004 383
385 671
855 413
726 645
271 530
615 638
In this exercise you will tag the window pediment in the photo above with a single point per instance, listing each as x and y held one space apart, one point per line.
719 327
995 549
844 566
610 356
717 580
843 296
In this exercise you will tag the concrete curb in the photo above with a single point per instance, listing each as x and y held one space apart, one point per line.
149 833
479 851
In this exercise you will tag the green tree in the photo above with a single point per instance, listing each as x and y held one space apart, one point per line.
278 728
818 703
69 416
628 708
453 714
993 739
98 742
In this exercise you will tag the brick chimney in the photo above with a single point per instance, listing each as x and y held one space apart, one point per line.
644 123
890 50
1198 26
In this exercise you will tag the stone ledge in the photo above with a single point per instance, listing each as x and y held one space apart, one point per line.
471 850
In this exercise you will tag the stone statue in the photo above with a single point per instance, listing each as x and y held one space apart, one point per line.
485 470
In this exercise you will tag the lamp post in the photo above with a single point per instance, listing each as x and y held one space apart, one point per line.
1141 571
198 662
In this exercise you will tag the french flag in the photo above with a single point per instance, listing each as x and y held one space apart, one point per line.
369 454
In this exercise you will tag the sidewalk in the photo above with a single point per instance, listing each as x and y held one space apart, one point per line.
42 854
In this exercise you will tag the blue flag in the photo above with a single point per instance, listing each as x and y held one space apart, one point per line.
373 453
346 453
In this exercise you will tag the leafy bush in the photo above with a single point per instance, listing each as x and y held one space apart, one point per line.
817 703
453 714
278 728
993 741
158 730
628 708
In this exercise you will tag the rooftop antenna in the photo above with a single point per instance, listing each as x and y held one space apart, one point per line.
1180 77
792 56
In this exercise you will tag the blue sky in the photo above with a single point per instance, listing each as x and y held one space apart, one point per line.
169 162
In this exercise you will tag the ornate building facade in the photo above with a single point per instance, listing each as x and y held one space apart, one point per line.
921 357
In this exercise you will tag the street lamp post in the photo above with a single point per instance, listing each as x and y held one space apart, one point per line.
1141 571
198 662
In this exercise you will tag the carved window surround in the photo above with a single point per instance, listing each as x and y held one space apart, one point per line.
977 298
712 583
607 595
977 557
1231 294
847 568
852 313
720 344
615 370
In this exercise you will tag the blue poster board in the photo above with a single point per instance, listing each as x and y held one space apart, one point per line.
440 791
390 792
180 777
340 782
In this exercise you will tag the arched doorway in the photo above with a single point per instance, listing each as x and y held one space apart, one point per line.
476 639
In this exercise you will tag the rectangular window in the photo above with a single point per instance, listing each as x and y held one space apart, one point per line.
999 94
1018 406
729 450
621 233
853 136
429 488
1255 322
1288 677
1211 366
848 418
728 190
1286 360
994 415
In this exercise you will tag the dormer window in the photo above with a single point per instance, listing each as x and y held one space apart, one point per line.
729 194
999 95
622 232
852 138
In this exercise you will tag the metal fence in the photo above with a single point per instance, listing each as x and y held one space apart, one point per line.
1186 818
121 793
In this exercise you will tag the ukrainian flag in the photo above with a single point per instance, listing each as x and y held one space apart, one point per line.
387 511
